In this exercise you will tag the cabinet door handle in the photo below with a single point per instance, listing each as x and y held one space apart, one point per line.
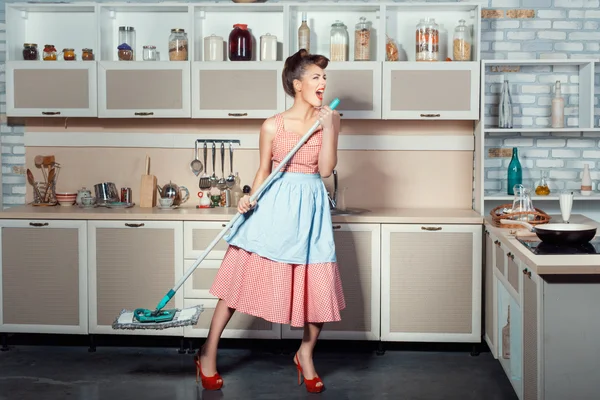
50 112
38 223
528 273
431 228
337 227
133 225
144 113
510 255
238 114
430 115
497 242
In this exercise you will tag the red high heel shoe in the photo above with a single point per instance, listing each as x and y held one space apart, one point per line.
214 382
311 384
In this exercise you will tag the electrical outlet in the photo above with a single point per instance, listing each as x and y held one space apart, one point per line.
499 152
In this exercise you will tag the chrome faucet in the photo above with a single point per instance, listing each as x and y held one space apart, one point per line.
333 200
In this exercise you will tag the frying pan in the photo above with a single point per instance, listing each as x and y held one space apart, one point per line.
559 234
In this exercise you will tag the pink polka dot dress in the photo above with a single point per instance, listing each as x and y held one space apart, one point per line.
281 264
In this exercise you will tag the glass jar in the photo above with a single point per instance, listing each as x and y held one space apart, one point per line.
461 45
240 43
125 52
127 36
87 55
150 53
338 42
178 45
69 54
30 51
49 52
427 40
362 40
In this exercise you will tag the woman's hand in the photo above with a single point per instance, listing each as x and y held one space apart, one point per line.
326 117
244 204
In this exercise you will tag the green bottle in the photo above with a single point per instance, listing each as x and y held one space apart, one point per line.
515 174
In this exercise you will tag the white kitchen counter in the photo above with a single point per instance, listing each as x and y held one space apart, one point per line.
548 264
189 213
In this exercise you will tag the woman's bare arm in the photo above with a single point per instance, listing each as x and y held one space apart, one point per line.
328 155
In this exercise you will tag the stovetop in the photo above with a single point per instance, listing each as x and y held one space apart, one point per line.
540 248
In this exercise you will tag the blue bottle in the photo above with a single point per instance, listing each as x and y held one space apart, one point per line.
515 174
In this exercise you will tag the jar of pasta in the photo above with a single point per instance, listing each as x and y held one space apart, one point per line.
49 52
427 40
362 40
339 42
69 54
461 45
178 45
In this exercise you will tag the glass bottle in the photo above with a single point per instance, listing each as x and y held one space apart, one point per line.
127 36
515 173
178 45
339 42
427 40
505 117
542 189
304 35
240 43
362 40
461 45
558 107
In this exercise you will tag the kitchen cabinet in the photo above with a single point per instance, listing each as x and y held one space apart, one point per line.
198 235
430 90
237 89
489 298
431 283
51 89
132 264
358 254
149 89
43 272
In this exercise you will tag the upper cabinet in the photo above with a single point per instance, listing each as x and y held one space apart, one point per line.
228 59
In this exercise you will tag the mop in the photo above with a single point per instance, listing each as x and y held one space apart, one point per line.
142 318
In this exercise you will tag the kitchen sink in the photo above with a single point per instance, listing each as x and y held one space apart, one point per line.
349 211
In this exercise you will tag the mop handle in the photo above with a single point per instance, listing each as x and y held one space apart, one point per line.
333 105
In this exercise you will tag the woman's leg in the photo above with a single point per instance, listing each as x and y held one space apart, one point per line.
305 352
208 352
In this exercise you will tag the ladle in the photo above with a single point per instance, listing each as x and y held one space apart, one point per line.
196 165
213 178
231 178
221 184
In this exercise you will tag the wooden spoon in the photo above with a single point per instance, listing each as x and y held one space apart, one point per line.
48 184
39 163
31 181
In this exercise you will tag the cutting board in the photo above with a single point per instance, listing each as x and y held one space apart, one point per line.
148 187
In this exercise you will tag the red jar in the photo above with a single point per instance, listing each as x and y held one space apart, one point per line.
240 43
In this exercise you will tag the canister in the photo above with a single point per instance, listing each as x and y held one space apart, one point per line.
213 48
268 47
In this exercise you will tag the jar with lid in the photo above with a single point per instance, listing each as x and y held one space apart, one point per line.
127 36
87 55
339 42
213 48
461 45
268 47
125 52
69 54
150 53
30 51
49 52
240 43
427 40
362 40
178 45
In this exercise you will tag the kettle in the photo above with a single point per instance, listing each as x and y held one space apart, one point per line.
171 190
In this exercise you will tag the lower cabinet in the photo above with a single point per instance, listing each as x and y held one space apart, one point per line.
132 264
489 294
431 283
43 276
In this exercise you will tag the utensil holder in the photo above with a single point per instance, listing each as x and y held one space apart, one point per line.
50 199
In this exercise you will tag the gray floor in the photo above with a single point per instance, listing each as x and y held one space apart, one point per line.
114 373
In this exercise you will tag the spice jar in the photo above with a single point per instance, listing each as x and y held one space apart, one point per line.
461 45
427 40
125 52
30 51
178 45
49 52
339 42
87 55
69 54
240 43
149 53
362 41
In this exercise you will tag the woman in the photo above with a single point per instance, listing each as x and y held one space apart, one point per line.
281 263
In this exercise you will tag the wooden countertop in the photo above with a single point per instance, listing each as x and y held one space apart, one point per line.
581 264
190 213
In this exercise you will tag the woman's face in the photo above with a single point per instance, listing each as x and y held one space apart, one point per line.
312 85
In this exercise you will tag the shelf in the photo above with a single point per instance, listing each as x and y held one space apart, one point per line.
490 196
538 130
542 61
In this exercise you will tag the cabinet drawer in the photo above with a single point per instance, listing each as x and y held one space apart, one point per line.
421 90
198 285
197 236
240 325
142 90
228 90
61 89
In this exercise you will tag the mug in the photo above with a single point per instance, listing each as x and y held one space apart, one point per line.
165 201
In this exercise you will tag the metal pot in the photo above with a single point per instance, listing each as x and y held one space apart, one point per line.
171 190
106 192
559 234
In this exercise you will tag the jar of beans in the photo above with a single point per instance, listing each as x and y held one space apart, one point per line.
30 51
